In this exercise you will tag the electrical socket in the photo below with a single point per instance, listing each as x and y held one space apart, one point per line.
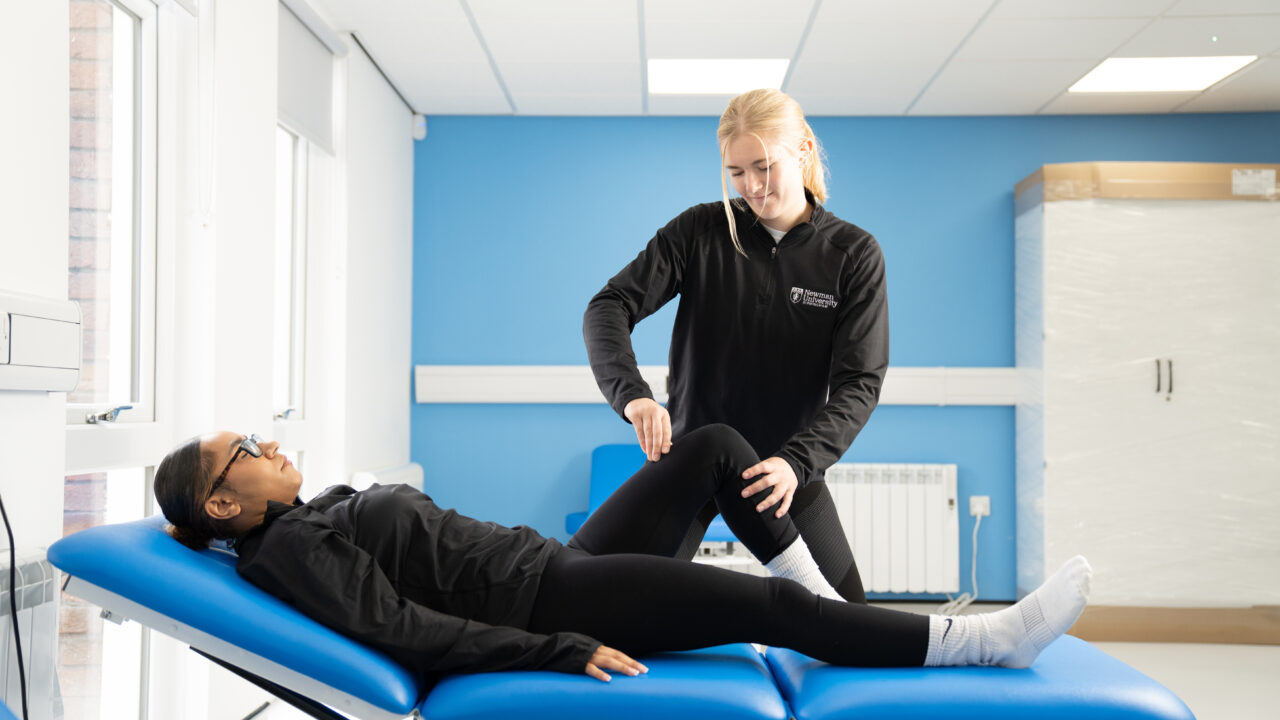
979 505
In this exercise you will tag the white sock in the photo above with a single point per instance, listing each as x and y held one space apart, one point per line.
1013 637
796 563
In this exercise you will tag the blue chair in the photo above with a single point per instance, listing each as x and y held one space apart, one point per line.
611 465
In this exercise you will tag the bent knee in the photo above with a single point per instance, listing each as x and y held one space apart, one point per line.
720 436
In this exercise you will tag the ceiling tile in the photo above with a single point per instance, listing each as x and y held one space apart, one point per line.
858 89
723 28
1115 103
589 105
882 42
986 87
870 67
930 10
1080 8
1255 88
861 57
1055 39
1224 7
562 31
1193 37
688 104
428 50
569 49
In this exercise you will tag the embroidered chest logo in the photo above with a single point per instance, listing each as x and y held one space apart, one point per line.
812 298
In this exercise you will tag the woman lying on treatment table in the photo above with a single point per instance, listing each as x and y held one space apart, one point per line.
443 593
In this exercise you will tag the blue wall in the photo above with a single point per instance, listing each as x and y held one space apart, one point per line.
519 221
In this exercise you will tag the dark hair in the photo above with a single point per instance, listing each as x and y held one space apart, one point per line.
182 484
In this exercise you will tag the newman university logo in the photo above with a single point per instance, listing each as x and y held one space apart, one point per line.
812 298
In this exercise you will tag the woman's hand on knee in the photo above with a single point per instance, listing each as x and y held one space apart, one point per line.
606 658
777 474
653 426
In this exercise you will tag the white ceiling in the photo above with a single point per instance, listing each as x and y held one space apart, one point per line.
848 57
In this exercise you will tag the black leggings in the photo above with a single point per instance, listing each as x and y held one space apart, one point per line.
814 514
655 515
614 583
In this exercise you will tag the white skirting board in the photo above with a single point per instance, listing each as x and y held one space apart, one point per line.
574 384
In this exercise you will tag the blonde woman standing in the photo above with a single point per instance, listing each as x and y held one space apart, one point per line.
782 332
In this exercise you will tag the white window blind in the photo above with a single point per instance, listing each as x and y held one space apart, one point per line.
305 80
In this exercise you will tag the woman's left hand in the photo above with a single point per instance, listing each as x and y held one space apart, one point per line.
606 658
777 475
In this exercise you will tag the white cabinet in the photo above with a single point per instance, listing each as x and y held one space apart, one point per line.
1148 351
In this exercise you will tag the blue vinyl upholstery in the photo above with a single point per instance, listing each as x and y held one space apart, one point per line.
611 465
1071 679
722 683
201 589
173 585
137 571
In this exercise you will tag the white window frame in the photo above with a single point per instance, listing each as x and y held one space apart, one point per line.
295 407
167 63
143 354
294 431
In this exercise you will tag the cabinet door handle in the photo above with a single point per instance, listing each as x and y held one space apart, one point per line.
1170 376
1157 376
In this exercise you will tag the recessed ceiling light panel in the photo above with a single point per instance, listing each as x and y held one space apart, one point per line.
715 76
1163 74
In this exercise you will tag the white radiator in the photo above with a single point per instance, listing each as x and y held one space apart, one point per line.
902 523
36 596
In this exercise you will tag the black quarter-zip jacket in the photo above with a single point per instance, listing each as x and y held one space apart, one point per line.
437 591
789 345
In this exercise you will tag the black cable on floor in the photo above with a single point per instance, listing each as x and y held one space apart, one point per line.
13 608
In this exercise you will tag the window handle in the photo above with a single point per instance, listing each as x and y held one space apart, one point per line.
1157 376
106 417
285 413
1170 376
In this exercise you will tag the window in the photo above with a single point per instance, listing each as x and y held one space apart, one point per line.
111 274
288 367
112 188
100 662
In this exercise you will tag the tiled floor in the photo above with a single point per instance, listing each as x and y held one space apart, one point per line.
1218 682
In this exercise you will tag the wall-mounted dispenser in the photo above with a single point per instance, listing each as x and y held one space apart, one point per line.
39 343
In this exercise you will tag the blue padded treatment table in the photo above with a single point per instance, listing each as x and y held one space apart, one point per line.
611 465
1070 680
136 571
730 682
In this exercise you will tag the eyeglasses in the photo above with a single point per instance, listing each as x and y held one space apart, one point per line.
249 446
